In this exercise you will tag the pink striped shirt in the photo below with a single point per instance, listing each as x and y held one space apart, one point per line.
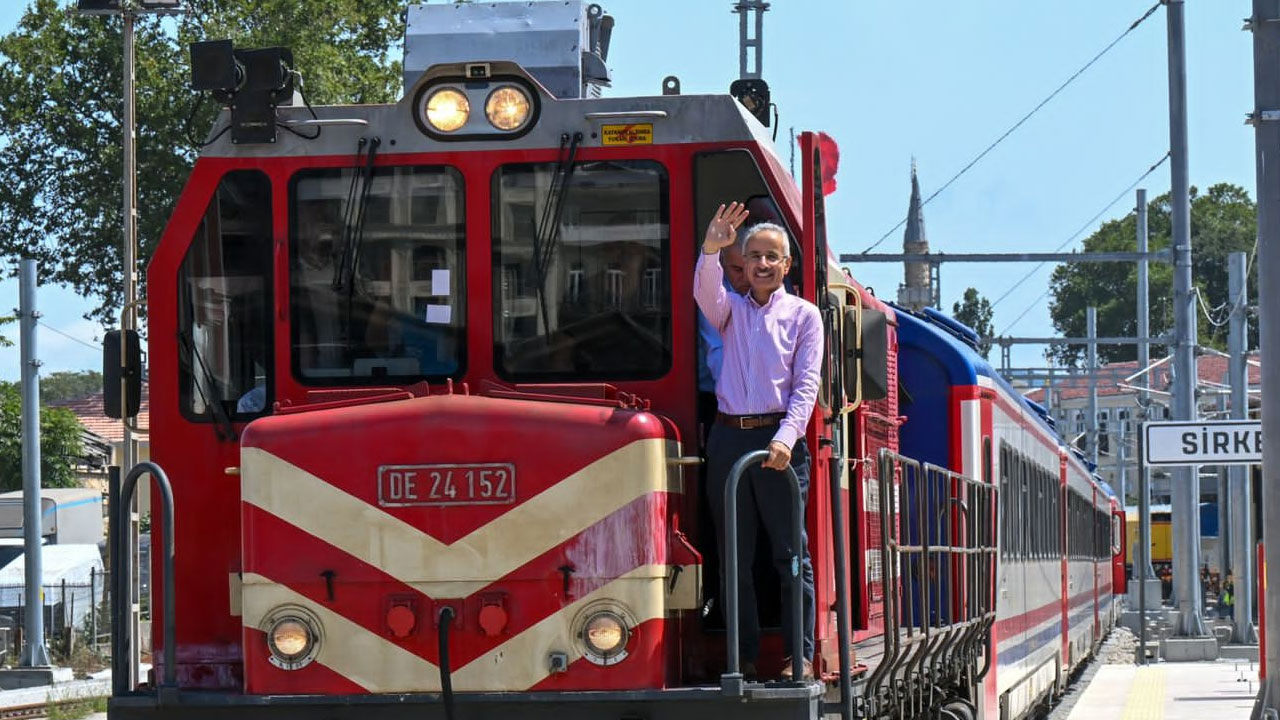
772 353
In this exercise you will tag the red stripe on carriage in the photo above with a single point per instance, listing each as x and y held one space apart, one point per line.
1020 623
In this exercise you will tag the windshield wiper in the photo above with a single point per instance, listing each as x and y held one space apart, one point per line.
344 271
547 234
224 428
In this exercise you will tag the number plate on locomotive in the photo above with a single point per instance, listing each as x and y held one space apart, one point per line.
477 484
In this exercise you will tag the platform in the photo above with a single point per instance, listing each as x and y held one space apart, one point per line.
1169 691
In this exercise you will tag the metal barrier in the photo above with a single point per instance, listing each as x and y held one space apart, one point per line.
122 573
938 553
731 682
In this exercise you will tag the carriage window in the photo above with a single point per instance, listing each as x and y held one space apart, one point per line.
581 271
224 305
376 275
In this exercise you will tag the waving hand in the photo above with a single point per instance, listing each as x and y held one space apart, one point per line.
723 229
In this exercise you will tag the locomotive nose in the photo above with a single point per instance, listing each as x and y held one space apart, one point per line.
543 526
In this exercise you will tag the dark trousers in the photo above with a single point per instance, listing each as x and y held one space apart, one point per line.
763 501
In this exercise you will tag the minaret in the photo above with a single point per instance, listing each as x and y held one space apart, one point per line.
916 292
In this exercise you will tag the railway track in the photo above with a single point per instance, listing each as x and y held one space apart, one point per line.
35 702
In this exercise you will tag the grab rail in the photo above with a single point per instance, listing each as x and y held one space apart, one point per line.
122 573
938 552
731 682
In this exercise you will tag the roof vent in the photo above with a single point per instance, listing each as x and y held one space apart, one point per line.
564 44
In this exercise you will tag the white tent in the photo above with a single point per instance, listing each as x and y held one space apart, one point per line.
78 566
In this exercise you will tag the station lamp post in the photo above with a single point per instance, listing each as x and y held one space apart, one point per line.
129 10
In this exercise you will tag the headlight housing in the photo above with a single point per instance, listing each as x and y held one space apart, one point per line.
508 108
604 632
447 109
293 637
476 108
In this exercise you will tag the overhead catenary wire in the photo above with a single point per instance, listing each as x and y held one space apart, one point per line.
1133 26
1232 304
73 338
1067 242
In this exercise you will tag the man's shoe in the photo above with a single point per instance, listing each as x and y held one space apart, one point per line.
749 671
786 669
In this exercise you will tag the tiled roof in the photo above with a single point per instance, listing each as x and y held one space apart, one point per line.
89 410
1212 369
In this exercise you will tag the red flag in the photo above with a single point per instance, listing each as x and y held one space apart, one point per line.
830 162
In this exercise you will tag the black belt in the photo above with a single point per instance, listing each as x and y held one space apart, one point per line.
750 422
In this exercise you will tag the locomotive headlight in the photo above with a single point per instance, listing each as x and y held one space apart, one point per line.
507 108
290 638
293 637
447 109
604 635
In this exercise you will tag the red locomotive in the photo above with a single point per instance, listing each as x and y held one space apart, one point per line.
423 379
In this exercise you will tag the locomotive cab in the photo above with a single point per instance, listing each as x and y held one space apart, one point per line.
424 376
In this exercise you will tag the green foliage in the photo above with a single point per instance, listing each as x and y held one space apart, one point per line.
61 109
1223 221
975 311
69 385
6 320
59 443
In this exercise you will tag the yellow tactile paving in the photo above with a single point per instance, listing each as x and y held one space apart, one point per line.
1146 694
1221 690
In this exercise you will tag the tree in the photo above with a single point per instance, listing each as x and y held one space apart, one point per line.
1223 220
975 311
69 385
60 445
61 106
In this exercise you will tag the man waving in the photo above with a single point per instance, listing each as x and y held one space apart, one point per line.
766 392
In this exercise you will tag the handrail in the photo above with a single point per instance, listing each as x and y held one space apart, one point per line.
938 550
122 574
843 629
731 682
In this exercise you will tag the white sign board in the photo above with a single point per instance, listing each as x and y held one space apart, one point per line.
1212 442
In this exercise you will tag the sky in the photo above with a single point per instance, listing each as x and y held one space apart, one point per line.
893 80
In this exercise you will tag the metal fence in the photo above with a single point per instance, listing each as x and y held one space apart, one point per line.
75 616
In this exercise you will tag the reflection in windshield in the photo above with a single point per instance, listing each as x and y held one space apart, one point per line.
602 309
400 320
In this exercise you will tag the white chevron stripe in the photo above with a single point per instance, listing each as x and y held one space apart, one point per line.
380 666
487 553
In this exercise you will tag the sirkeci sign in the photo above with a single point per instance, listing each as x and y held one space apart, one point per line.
1211 442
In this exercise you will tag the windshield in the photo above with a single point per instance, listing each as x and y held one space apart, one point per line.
592 301
224 305
401 318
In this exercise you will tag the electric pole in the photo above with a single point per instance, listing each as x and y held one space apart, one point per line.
1265 25
1145 571
1186 480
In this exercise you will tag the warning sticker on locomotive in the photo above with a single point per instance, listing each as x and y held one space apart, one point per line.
637 134
478 484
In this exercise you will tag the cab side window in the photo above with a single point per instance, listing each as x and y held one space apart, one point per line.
727 175
224 305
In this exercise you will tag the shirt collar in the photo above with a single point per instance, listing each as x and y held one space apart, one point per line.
780 292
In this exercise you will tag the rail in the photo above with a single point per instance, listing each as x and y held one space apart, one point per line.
938 552
731 682
121 499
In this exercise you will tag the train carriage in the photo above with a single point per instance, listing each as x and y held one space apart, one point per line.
1054 580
